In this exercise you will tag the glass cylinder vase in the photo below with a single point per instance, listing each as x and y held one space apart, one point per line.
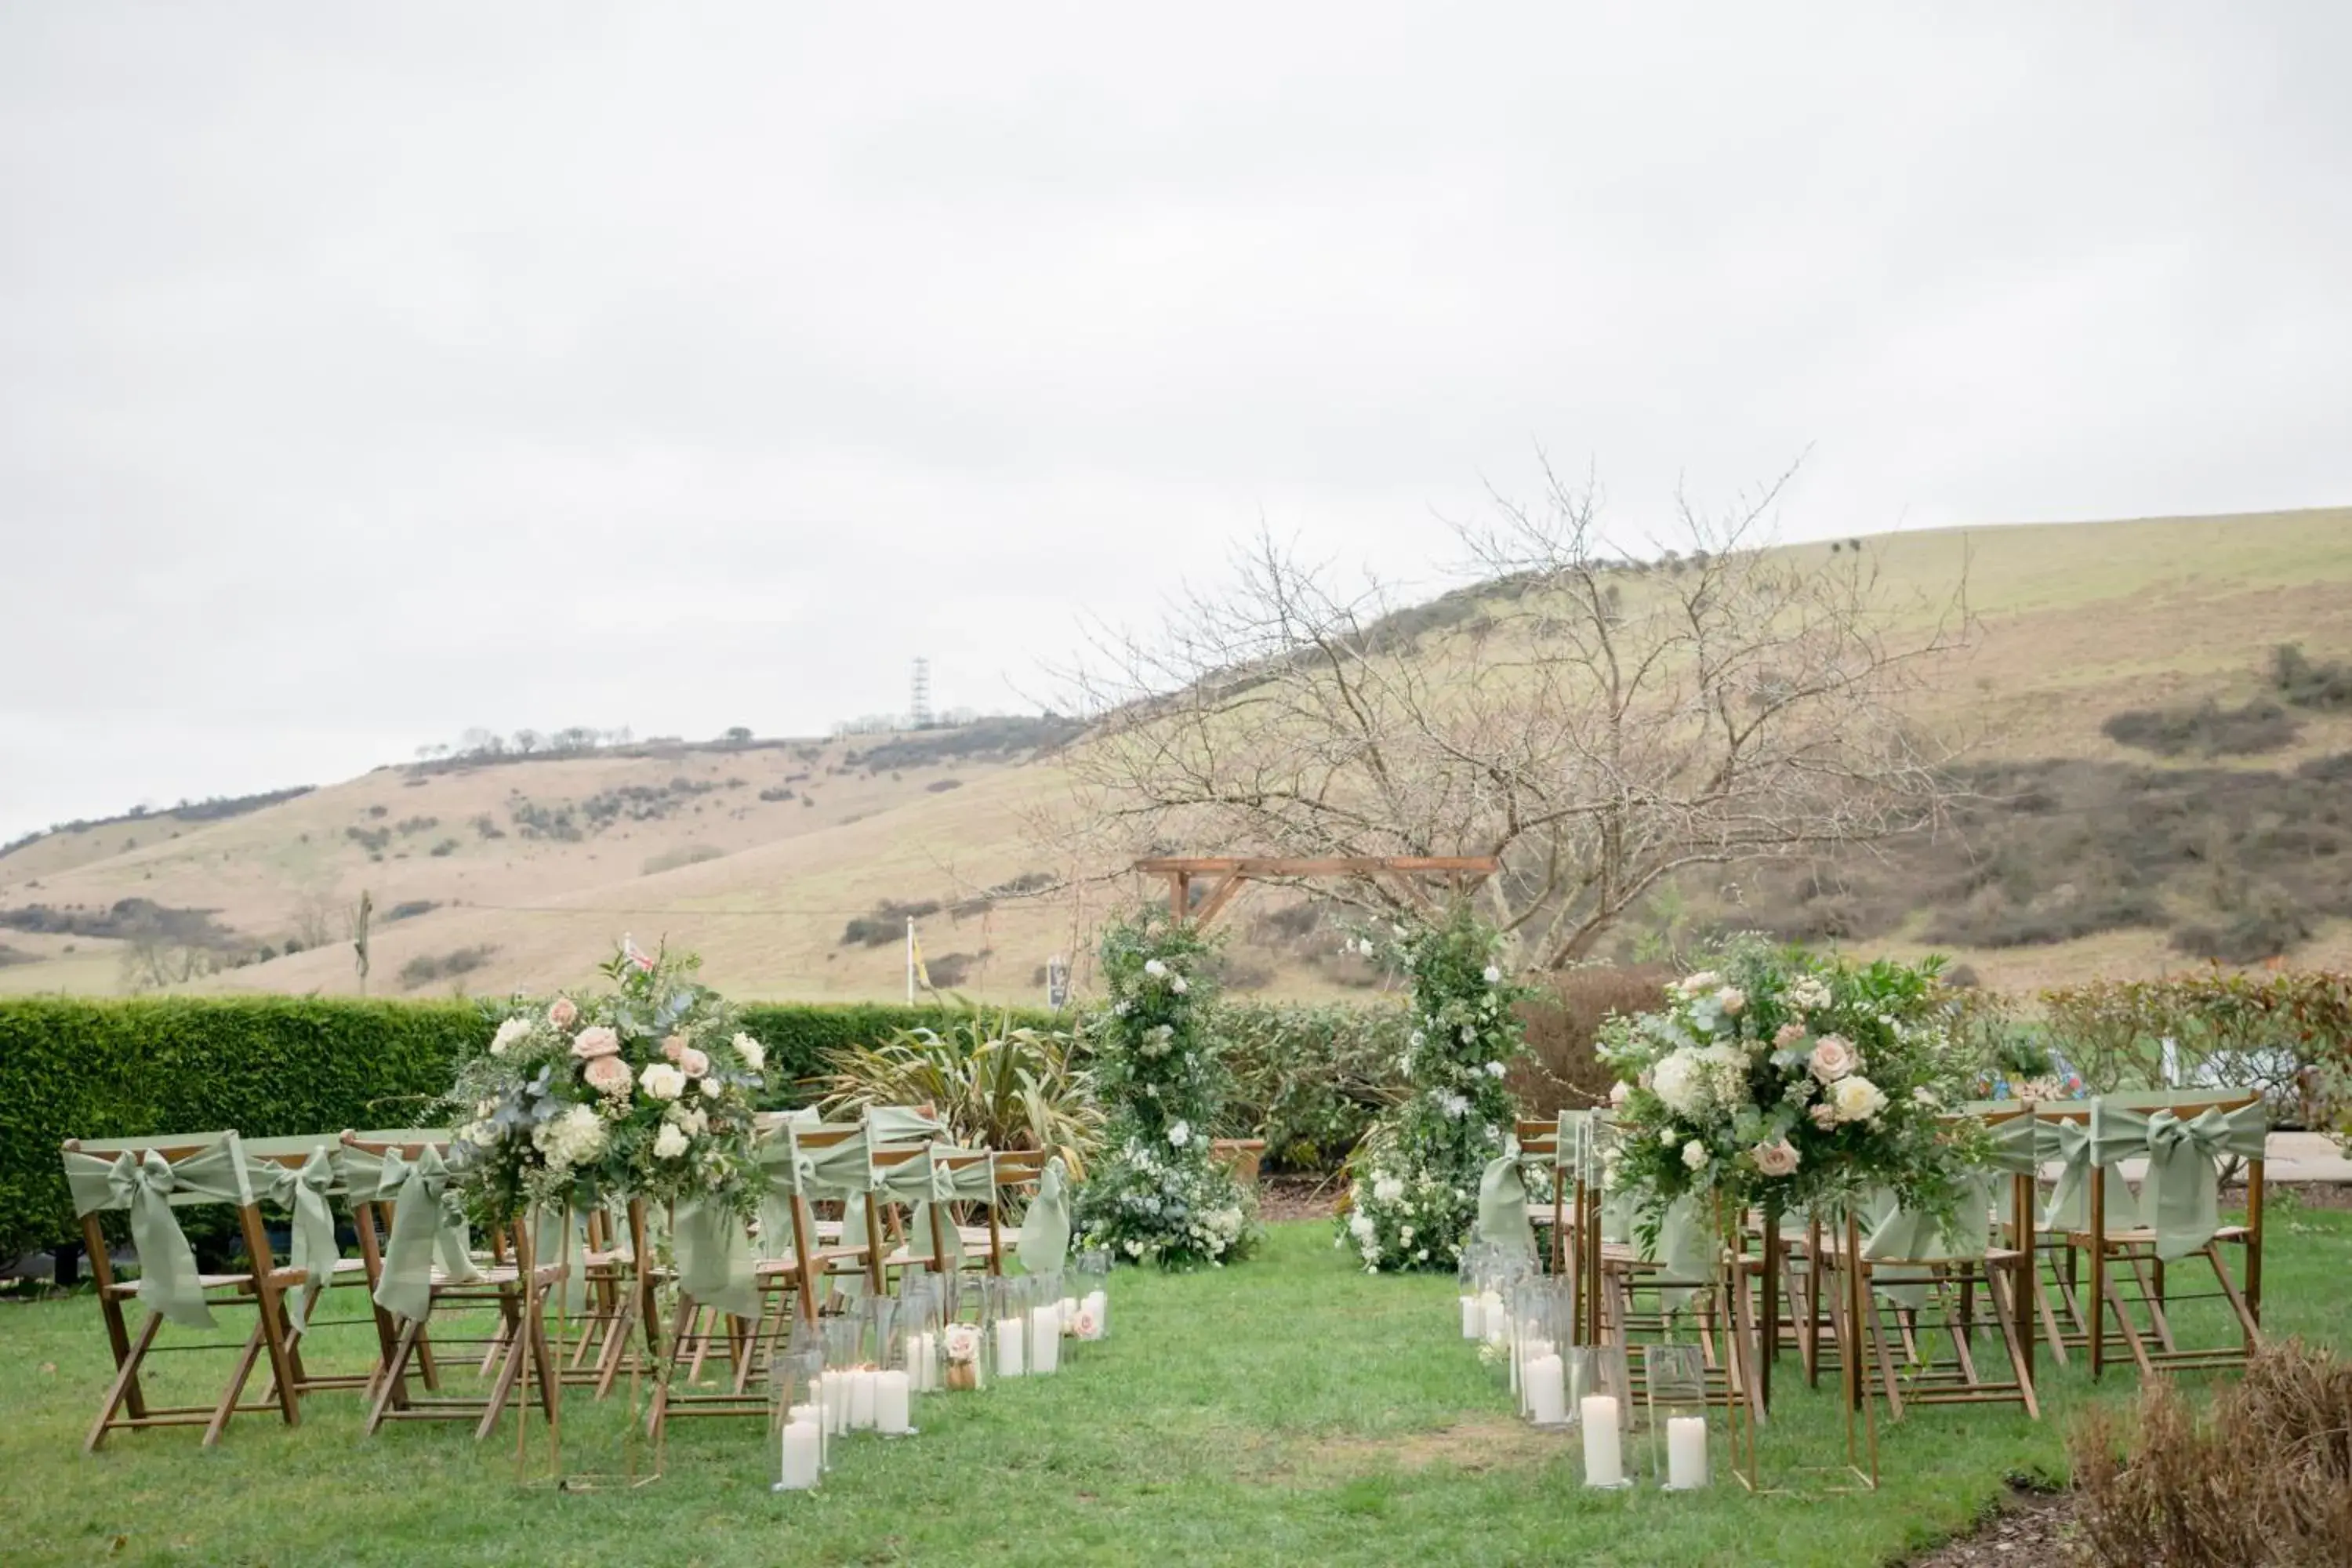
1675 1393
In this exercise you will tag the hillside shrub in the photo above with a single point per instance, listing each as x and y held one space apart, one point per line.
2288 1033
455 964
2207 729
270 1065
1562 1019
1309 1080
2323 684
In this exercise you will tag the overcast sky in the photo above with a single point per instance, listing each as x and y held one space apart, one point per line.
368 373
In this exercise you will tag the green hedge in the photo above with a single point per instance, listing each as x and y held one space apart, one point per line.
273 1066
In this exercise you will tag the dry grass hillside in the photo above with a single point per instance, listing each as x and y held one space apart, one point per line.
788 864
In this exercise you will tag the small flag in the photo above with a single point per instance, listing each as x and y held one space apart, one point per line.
915 949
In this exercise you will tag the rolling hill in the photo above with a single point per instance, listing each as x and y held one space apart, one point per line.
790 864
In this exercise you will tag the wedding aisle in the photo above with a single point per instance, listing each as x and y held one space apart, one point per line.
1289 1409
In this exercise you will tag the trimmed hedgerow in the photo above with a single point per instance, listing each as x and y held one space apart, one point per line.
282 1065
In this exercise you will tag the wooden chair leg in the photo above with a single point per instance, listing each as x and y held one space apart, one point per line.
1875 1332
2139 1347
2153 1296
2247 1324
125 1385
396 1375
239 1376
2005 1311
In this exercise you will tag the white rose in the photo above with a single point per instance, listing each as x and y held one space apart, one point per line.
1833 1058
1705 980
670 1141
1361 1224
1731 999
754 1053
1179 1134
1494 1069
510 1031
1856 1099
1387 1189
1154 968
1178 985
1694 1154
1494 975
660 1080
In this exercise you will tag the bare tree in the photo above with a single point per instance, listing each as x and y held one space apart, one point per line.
1598 722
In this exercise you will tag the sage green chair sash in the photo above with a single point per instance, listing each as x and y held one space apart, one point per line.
786 1172
2079 1149
304 1190
1044 1237
2180 1199
1686 1250
131 1175
425 1221
843 1170
973 1180
1502 1203
714 1258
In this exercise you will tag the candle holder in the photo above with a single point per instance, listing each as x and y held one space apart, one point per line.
1046 1324
1600 1407
1006 1320
1092 1270
921 1296
795 1390
840 1348
1549 1330
1674 1397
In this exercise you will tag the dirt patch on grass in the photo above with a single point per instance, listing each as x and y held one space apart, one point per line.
1476 1446
2032 1528
1298 1197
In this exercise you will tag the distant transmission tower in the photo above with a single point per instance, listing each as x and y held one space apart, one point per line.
919 707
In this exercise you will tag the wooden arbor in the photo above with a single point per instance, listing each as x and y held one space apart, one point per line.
1232 873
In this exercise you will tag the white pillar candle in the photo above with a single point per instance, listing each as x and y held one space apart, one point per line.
1547 1389
890 1404
1010 1335
804 1455
918 1362
1069 1308
1493 1320
832 1396
1604 1462
861 1400
1686 1452
1046 1339
1472 1314
1099 1304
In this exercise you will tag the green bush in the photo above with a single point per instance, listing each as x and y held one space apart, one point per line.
1309 1080
272 1066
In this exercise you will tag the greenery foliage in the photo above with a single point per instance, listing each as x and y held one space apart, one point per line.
1786 1079
1309 1080
1157 1195
1415 1188
996 1083
286 1066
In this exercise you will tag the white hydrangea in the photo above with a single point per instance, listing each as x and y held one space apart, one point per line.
754 1054
670 1141
1679 1080
1178 1134
1495 1069
571 1139
1387 1189
510 1031
1494 975
1808 993
1154 968
1694 1154
1705 980
1453 1105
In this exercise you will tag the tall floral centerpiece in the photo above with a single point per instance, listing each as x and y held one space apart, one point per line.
1786 1079
646 1091
1413 1198
1157 1195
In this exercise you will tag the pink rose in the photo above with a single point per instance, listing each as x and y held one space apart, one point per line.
597 1042
608 1075
1775 1159
563 1015
674 1047
1789 1035
1833 1058
691 1062
1824 1116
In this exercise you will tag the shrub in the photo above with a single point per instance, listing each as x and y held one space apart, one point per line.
426 968
2208 729
776 793
2325 687
886 924
410 909
1563 1070
939 787
2264 1477
684 855
2288 1033
1309 1080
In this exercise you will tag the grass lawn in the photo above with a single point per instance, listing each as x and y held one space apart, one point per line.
1289 1410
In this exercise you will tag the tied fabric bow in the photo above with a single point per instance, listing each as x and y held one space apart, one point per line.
168 1280
422 1224
2181 1198
2079 1146
1502 1203
304 1190
1045 1239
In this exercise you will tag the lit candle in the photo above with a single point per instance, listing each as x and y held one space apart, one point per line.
1098 1305
1010 1333
1547 1389
1046 1339
1686 1452
1604 1463
804 1455
861 1399
1471 1312
890 1391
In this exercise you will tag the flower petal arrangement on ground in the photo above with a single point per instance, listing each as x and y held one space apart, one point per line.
1415 1196
648 1091
1156 1196
1785 1078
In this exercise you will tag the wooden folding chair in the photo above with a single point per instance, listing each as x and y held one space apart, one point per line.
150 1178
2132 1255
420 1268
1540 1146
302 1176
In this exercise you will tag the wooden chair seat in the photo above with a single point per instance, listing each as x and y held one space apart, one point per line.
2143 1237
